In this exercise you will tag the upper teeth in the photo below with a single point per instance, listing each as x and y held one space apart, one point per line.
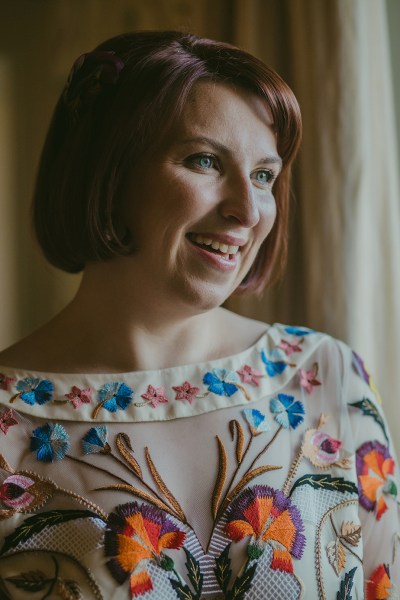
224 248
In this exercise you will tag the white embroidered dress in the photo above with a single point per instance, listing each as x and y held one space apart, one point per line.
264 475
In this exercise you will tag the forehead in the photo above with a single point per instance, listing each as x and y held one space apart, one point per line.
229 113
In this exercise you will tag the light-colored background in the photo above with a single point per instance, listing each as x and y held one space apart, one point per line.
342 59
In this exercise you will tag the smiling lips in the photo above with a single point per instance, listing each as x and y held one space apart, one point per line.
209 244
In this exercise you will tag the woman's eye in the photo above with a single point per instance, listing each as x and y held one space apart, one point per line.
264 176
203 161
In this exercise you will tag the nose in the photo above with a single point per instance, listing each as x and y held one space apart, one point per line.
240 202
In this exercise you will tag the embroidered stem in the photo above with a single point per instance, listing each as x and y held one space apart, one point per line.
293 470
163 488
85 502
242 388
265 448
13 398
221 477
98 407
54 580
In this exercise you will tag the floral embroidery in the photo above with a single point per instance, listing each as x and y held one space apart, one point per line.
95 441
249 375
300 331
6 382
322 450
256 420
33 390
269 517
308 379
155 396
350 534
363 372
288 411
222 382
290 347
273 367
78 396
114 396
7 420
374 468
378 585
22 492
186 391
50 442
135 535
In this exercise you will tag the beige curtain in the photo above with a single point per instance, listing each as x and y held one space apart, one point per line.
344 269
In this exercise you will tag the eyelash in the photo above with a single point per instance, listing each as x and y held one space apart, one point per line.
195 159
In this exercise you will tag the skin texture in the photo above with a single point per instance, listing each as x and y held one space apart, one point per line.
159 307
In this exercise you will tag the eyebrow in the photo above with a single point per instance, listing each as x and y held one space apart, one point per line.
267 160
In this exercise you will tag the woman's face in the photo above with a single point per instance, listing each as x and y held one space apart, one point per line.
199 209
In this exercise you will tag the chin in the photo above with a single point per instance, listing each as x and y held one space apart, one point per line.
204 297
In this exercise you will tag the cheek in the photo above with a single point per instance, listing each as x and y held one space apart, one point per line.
268 216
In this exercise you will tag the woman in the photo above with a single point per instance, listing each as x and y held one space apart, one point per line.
154 444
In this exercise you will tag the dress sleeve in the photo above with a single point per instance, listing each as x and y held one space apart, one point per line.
378 483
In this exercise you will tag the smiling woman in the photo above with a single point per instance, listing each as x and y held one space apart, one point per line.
233 459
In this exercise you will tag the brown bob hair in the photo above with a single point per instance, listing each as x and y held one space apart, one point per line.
98 133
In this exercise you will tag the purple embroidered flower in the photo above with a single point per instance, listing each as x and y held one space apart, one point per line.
6 382
50 442
155 395
273 367
35 390
186 391
249 375
256 420
7 420
269 517
95 441
78 396
362 371
288 411
115 396
375 470
222 382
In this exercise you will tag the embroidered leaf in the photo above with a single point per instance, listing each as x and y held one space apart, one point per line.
326 482
194 573
242 584
346 586
163 488
350 532
136 492
336 555
243 482
37 523
223 569
4 465
369 409
235 427
31 581
124 447
183 592
219 484
68 590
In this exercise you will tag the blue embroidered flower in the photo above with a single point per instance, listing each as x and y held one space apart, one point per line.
288 411
222 382
115 395
256 420
95 440
35 391
300 331
273 367
51 442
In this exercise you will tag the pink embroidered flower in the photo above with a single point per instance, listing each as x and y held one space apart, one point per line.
155 395
20 492
308 379
5 382
186 391
78 396
7 420
322 450
250 375
290 347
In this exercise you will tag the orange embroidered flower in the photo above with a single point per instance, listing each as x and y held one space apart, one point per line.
378 585
374 468
135 535
269 517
